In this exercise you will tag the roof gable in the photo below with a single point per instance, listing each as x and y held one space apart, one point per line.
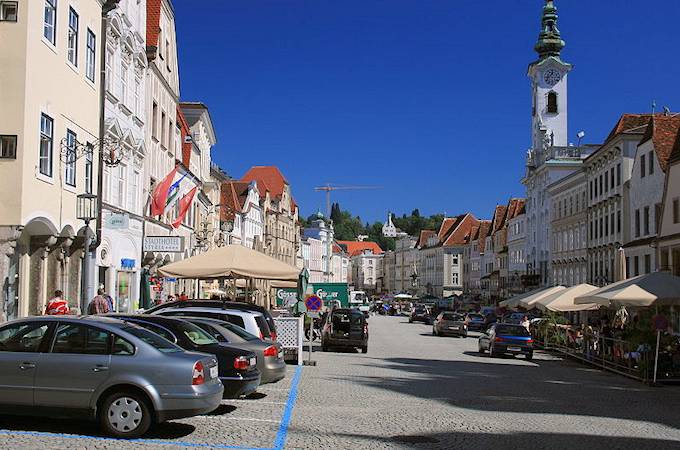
663 132
460 235
354 248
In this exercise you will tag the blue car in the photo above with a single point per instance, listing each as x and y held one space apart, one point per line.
504 338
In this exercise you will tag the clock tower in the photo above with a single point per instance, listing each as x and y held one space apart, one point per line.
549 85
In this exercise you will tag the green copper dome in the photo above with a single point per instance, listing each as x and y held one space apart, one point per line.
549 41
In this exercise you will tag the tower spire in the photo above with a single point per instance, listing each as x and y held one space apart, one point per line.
549 41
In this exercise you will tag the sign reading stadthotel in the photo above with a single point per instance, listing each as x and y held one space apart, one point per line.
171 244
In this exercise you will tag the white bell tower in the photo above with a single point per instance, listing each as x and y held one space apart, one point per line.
549 85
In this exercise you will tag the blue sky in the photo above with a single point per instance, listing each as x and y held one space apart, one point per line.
428 99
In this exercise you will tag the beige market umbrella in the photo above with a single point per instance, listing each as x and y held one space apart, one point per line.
658 288
233 261
620 268
514 301
530 301
563 301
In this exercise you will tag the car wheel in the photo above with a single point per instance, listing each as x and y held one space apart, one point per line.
125 415
364 349
491 352
410 320
530 356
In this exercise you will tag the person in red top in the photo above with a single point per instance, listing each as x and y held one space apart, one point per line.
57 305
183 297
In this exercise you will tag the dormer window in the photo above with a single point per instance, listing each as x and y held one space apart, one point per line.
552 102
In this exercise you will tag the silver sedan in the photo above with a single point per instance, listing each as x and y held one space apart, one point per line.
103 369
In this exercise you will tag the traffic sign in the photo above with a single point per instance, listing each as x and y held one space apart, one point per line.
313 303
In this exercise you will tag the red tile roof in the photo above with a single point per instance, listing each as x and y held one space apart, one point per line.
233 195
269 179
663 131
462 231
354 248
484 229
153 26
630 124
184 131
675 154
498 219
423 237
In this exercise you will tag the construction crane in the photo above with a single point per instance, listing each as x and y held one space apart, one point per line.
328 188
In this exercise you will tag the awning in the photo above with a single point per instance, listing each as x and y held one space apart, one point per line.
233 261
514 301
658 288
563 301
530 301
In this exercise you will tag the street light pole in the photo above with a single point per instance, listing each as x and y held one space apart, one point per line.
86 210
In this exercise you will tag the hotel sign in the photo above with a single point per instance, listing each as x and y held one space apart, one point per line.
169 244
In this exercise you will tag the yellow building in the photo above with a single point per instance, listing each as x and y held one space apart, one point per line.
49 112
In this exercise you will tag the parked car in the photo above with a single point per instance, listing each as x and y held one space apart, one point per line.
269 355
514 318
449 323
252 321
503 338
102 369
475 322
420 314
346 328
237 367
239 306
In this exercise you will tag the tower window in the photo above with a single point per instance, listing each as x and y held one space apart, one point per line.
552 102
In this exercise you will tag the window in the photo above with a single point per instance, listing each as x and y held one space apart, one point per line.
8 146
606 181
120 185
163 131
50 21
22 337
154 118
90 55
122 347
132 192
161 331
646 220
8 11
601 190
109 69
124 82
160 43
46 144
618 221
606 226
636 265
88 169
152 339
552 102
138 99
70 159
648 263
611 178
637 223
591 189
80 339
618 174
601 227
611 221
643 167
676 210
72 39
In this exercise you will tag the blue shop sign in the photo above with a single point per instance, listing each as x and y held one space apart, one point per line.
127 263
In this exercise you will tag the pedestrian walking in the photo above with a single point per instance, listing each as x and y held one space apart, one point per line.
57 306
99 304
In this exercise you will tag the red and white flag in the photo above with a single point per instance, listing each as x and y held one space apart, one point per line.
159 198
184 205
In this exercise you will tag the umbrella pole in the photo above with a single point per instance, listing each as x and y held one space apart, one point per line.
656 356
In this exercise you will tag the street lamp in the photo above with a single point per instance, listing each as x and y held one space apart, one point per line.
86 210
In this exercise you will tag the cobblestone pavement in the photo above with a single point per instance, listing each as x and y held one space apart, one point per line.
414 390
411 391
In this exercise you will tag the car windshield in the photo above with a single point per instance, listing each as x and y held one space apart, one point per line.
476 317
240 332
195 334
452 316
512 331
154 340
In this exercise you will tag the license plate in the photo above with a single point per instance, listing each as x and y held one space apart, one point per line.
213 372
253 361
514 349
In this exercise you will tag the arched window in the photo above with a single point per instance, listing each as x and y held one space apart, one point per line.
552 102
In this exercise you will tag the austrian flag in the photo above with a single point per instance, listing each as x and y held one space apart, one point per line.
169 192
184 205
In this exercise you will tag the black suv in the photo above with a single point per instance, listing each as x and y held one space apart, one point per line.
346 328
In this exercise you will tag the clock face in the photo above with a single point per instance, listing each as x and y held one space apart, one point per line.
552 77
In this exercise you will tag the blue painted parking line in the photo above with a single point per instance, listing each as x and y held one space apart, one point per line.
279 442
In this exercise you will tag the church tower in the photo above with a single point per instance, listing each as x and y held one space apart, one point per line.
549 85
